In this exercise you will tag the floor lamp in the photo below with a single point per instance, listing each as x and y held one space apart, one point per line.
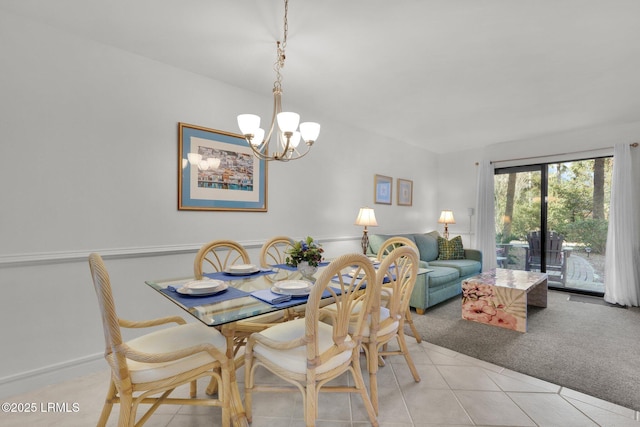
366 217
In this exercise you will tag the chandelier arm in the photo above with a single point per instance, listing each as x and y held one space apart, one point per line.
277 107
299 156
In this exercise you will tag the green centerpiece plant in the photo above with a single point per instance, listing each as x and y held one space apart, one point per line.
307 250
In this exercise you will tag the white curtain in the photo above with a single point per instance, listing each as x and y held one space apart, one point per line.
485 218
622 273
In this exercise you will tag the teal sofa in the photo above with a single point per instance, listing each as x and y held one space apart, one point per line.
445 279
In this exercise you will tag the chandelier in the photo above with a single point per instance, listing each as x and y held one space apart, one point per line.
287 136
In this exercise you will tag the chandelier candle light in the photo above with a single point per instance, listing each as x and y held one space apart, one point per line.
446 218
287 136
366 217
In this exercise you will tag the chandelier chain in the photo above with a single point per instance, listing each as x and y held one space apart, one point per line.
281 46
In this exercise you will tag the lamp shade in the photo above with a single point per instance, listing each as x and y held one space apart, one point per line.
295 140
258 137
309 131
248 123
446 217
288 121
366 217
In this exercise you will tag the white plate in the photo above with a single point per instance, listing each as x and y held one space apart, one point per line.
242 268
191 293
254 270
202 286
293 286
292 294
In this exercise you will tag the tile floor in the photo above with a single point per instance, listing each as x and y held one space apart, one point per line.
455 390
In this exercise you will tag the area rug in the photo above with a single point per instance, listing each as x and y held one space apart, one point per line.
591 348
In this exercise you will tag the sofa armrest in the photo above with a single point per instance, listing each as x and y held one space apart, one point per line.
473 254
419 296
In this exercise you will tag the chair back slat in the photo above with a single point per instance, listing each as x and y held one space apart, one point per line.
218 255
361 290
398 273
394 242
274 251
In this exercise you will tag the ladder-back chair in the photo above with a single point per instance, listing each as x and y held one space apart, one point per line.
148 368
307 352
385 249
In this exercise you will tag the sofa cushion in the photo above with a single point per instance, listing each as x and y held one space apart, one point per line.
376 241
442 275
450 249
465 267
427 246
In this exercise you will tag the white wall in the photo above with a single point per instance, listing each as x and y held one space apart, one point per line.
88 162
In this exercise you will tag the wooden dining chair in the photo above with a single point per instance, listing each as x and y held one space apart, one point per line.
148 368
274 251
219 255
385 249
307 353
398 273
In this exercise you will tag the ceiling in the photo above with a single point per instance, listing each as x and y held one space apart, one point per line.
448 75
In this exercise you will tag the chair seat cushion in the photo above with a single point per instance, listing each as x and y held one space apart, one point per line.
295 359
173 339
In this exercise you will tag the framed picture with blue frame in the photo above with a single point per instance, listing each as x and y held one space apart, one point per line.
217 171
382 189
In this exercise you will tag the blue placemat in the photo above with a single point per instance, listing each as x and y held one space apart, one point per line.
225 277
263 295
271 298
192 301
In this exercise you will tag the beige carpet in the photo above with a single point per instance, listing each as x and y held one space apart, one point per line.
591 348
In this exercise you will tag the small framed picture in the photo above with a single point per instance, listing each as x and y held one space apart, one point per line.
218 172
382 189
405 192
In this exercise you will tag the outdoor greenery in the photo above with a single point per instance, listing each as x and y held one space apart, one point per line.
577 208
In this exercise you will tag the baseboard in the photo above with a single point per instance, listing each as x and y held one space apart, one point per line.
27 381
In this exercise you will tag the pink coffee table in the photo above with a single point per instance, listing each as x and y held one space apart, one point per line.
500 297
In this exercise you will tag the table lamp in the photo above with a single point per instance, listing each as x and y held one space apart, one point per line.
446 218
366 217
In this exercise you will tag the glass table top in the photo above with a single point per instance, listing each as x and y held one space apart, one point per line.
218 311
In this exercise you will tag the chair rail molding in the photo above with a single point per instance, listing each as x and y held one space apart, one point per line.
43 258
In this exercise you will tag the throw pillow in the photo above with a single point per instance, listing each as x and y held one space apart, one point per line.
450 249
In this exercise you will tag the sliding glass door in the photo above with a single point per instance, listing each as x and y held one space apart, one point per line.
553 217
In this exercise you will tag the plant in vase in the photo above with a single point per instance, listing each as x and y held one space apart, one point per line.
306 255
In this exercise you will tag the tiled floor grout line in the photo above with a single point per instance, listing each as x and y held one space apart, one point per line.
578 409
404 401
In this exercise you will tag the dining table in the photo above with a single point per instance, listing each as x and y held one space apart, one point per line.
241 296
